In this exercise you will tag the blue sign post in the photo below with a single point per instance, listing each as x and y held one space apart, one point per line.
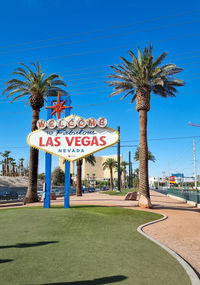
67 164
48 159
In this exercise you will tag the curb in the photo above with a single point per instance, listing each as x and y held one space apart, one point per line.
189 270
192 203
177 198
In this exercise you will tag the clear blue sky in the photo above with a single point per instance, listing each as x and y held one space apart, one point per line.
79 40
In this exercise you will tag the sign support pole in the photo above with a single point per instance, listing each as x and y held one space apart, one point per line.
47 180
118 164
48 167
67 164
67 183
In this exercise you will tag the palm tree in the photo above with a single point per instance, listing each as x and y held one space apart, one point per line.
13 163
5 155
91 160
2 162
21 166
135 177
151 157
140 77
110 163
36 85
123 165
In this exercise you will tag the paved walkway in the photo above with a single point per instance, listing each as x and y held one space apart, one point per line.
180 232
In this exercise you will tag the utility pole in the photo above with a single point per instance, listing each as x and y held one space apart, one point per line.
195 170
168 175
118 163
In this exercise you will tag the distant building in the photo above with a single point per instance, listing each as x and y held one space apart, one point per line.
90 172
180 175
188 180
177 178
156 181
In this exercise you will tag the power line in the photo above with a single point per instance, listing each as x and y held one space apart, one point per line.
126 145
101 37
100 67
160 139
175 138
104 29
107 66
85 105
89 105
103 80
102 50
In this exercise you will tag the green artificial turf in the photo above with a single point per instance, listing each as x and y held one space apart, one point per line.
82 246
123 192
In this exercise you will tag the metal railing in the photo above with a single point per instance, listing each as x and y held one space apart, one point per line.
189 195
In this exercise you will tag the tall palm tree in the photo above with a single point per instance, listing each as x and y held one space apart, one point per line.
13 163
5 155
21 165
91 160
3 173
135 177
110 163
36 85
121 169
140 77
151 157
123 165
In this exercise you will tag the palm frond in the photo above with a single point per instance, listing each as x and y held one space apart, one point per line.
134 58
58 82
175 82
115 93
29 70
144 71
134 97
117 76
139 56
19 96
34 82
128 93
17 91
160 59
19 72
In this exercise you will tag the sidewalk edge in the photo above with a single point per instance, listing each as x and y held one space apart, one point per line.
189 270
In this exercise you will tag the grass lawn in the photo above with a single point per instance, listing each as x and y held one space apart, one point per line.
122 193
82 246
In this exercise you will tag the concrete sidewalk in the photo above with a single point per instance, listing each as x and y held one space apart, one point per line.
180 232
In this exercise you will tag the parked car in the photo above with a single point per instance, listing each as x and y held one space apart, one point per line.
91 189
8 195
104 188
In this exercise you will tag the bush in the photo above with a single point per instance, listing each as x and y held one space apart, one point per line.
58 176
41 176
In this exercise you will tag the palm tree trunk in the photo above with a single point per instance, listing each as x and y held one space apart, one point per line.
78 185
31 195
3 170
7 167
111 179
144 200
124 179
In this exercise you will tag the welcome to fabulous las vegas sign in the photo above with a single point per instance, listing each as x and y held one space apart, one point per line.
73 138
